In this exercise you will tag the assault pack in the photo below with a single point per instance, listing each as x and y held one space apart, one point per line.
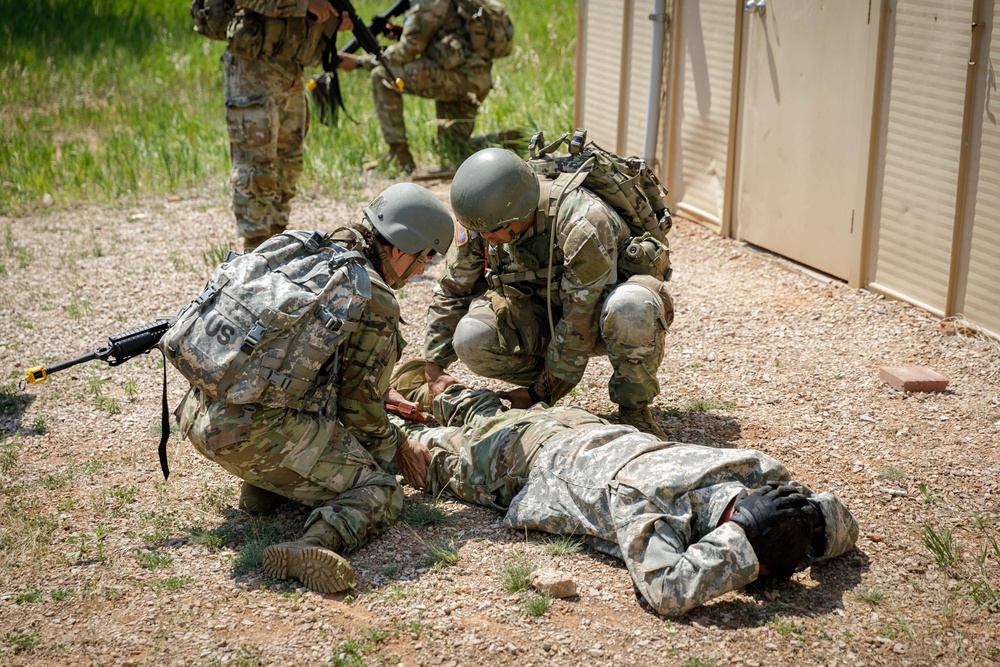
268 326
491 32
626 184
212 17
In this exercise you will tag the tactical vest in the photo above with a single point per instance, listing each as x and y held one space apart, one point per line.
299 39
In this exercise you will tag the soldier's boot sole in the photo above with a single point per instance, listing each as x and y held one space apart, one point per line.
642 419
319 569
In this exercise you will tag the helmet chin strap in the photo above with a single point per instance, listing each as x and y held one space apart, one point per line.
397 281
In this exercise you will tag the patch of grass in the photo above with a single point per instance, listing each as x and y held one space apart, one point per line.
131 389
426 514
928 495
259 536
150 560
442 554
40 424
23 641
537 604
10 451
214 499
699 662
96 384
31 594
563 545
250 656
939 543
892 475
701 405
514 574
63 593
88 545
786 627
173 583
415 628
215 254
390 570
209 539
870 596
78 308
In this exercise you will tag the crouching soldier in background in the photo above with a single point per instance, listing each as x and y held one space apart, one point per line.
690 522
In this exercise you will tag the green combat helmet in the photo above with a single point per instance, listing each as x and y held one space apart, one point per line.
412 219
493 189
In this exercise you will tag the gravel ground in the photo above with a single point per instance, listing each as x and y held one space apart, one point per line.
102 562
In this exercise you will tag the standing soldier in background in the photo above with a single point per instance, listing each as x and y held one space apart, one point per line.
270 44
445 53
492 309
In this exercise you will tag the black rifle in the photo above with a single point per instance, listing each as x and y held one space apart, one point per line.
325 87
121 348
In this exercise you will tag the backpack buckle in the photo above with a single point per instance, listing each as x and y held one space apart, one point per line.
314 241
252 339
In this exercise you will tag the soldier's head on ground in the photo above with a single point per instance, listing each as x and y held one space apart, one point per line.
495 193
403 227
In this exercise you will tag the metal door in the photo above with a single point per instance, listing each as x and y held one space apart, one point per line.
805 130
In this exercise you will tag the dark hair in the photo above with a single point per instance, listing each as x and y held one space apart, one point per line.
785 544
347 235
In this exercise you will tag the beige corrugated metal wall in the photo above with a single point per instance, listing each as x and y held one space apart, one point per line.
700 108
914 219
979 298
637 95
600 70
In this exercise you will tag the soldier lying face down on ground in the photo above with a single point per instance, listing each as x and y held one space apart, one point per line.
690 522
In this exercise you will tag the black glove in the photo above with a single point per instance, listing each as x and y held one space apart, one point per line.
765 506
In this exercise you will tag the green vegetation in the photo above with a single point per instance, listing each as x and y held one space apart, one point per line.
563 545
23 641
537 604
110 99
425 514
514 574
442 554
870 596
150 560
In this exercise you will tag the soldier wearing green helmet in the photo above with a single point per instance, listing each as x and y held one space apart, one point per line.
336 459
549 294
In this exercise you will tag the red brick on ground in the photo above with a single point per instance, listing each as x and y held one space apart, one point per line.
913 378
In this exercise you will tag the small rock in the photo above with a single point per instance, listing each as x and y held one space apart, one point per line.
47 200
867 418
555 583
900 648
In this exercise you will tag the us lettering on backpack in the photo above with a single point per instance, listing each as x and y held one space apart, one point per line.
269 324
626 184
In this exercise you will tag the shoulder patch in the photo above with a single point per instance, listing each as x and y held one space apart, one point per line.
461 235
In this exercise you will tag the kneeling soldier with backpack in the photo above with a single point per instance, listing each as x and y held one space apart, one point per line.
289 350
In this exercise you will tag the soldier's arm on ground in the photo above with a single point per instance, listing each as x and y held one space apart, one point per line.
369 355
279 9
672 576
419 27
588 243
462 282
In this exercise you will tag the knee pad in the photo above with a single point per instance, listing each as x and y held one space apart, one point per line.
474 341
633 315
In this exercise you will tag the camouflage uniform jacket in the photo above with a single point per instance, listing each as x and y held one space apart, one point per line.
278 9
585 258
432 29
657 505
369 356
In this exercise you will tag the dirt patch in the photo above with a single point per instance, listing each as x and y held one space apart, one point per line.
101 561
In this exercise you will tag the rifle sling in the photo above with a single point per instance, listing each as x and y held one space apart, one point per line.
164 425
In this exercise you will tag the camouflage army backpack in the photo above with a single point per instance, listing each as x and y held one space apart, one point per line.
491 32
626 184
269 323
212 17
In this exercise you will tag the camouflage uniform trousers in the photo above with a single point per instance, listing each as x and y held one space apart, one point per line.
457 95
485 458
268 118
633 325
307 458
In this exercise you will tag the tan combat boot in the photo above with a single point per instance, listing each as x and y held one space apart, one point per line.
409 380
400 154
642 419
255 500
311 560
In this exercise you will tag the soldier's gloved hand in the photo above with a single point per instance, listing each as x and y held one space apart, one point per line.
763 507
788 490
